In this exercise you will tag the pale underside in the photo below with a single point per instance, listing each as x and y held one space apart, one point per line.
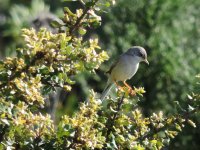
125 68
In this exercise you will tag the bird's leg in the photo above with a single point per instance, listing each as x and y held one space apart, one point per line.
131 91
128 86
121 88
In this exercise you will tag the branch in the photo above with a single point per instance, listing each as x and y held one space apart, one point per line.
78 21
111 120
187 114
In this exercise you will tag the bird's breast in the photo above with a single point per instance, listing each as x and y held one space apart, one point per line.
125 68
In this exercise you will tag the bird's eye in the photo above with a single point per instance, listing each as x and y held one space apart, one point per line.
141 55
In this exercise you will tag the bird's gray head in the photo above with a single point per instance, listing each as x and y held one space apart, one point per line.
138 52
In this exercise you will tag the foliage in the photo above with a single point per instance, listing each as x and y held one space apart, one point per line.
116 126
18 17
169 32
52 60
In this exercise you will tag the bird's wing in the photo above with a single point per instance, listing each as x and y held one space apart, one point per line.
113 66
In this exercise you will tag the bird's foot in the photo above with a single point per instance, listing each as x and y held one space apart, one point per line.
132 92
119 87
122 89
128 90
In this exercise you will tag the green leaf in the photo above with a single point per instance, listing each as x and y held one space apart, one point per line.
46 89
55 79
5 121
113 109
44 70
82 31
112 144
178 127
56 24
96 24
192 123
68 11
68 80
107 4
189 96
190 108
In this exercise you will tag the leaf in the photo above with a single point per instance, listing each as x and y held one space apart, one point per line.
189 96
113 109
82 31
178 127
46 89
120 139
5 121
191 123
107 4
67 88
113 144
68 11
56 24
96 24
190 108
68 80
140 91
44 70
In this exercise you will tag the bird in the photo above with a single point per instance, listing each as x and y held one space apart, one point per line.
125 68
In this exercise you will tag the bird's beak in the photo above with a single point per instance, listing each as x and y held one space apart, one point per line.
146 61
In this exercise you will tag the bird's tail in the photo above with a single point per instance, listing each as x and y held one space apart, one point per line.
106 90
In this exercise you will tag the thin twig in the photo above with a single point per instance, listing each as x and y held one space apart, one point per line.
82 3
78 21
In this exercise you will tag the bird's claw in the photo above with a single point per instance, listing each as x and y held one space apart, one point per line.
132 92
128 90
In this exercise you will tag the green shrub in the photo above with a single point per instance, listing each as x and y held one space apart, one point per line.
51 60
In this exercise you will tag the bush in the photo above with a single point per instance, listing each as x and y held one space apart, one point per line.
51 60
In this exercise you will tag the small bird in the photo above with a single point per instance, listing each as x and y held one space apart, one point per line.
125 68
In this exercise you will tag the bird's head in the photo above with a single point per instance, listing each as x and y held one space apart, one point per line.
139 53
